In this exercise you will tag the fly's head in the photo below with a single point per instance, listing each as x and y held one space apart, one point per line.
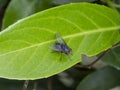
65 49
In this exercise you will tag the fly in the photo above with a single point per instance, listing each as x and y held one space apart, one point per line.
61 46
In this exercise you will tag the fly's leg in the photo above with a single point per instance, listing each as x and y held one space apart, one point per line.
60 56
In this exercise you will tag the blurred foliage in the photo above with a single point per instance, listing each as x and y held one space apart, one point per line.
18 10
103 79
42 84
59 2
113 58
3 3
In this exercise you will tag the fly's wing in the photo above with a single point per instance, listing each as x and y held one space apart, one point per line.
59 39
65 48
56 47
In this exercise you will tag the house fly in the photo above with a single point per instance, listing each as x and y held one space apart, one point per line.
61 46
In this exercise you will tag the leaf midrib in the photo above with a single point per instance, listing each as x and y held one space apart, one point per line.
68 36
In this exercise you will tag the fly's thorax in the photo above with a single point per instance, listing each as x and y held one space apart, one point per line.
61 46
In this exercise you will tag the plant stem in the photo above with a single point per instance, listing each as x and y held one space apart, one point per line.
50 83
102 55
25 85
35 85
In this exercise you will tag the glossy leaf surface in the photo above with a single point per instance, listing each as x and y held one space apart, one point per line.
25 46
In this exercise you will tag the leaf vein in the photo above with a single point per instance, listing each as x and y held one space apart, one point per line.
73 35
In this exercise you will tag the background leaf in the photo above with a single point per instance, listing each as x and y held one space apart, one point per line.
3 3
103 79
59 2
113 58
24 47
17 10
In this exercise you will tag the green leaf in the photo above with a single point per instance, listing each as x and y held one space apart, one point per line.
113 58
25 46
23 8
103 79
